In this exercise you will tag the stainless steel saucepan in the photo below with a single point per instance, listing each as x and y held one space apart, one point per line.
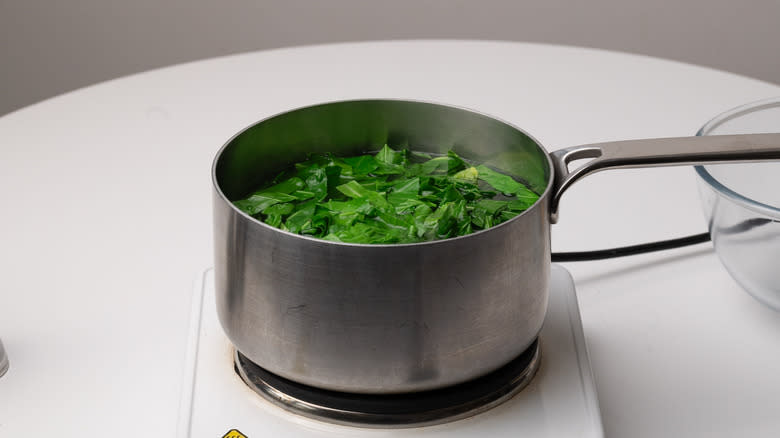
383 319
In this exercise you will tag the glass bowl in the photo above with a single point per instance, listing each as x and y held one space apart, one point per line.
742 204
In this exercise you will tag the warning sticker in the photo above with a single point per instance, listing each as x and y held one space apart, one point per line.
234 433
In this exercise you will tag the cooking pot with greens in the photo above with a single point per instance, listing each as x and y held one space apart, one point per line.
404 317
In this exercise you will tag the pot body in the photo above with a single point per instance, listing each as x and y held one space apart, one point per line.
379 319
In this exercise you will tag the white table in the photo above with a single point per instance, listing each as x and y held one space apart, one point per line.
107 222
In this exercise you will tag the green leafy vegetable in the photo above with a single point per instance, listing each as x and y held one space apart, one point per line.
499 181
362 165
260 201
393 196
470 175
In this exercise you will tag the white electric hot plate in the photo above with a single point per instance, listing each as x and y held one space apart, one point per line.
560 401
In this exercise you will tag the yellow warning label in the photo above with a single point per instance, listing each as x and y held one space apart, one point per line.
234 433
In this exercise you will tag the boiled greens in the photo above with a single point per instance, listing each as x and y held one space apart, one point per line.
393 196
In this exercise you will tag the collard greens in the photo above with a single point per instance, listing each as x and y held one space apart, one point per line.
394 196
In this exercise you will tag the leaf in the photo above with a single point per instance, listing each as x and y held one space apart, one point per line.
421 155
287 186
303 195
317 182
421 213
456 163
469 175
299 219
507 214
353 189
399 222
362 165
333 179
442 220
465 228
369 232
526 164
479 217
493 206
471 192
279 209
260 201
318 224
404 190
388 156
499 181
346 169
409 186
410 205
451 194
460 213
389 169
356 205
344 220
441 164
525 199
390 162
273 220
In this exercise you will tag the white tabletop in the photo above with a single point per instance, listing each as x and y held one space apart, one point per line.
107 222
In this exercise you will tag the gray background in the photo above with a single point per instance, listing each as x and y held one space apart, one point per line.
50 47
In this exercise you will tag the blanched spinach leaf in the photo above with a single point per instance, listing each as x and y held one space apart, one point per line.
503 183
260 201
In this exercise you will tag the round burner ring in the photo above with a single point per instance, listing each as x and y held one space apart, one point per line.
394 410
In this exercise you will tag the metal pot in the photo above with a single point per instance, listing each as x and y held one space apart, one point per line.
386 319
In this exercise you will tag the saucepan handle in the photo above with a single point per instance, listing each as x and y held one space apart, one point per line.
656 152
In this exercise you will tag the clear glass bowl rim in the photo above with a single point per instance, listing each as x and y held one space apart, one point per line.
719 187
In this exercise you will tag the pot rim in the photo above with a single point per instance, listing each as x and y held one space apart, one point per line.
546 193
